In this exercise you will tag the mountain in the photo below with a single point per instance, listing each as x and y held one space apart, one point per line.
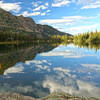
18 22
24 26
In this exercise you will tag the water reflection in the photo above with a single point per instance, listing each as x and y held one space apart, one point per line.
95 46
11 54
69 69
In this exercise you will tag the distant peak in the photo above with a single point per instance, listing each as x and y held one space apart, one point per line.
20 16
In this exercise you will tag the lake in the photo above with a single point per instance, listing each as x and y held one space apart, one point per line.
40 69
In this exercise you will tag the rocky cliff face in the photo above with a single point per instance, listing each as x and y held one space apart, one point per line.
18 22
26 24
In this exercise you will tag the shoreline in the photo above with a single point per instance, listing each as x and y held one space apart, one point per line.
53 96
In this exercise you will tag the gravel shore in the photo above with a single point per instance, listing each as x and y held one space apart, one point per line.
53 96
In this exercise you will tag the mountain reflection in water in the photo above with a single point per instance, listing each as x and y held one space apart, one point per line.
41 69
11 54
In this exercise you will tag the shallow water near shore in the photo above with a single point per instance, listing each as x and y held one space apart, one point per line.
37 70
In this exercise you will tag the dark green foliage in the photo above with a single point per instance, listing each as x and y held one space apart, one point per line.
62 38
11 34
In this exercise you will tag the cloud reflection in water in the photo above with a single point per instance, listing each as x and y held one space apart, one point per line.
45 74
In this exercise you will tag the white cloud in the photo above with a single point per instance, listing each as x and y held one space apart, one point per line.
88 4
46 4
71 24
65 54
36 4
81 29
65 20
58 53
15 7
16 69
78 28
40 7
77 17
54 21
18 88
43 14
59 3
92 66
48 11
27 14
94 5
62 83
87 89
60 69
59 82
84 2
39 64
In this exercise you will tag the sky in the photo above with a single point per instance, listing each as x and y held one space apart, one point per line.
70 16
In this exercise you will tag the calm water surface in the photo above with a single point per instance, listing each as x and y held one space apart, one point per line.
41 69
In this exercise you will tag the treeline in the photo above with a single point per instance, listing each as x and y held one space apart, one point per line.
90 40
8 34
62 38
11 34
88 37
